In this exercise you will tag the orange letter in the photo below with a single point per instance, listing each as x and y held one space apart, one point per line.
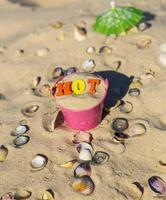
93 82
63 88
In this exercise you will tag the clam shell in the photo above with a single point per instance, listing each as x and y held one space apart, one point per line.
82 137
84 145
19 130
21 140
80 33
71 70
42 52
3 153
105 50
22 193
83 185
52 120
134 92
69 164
120 136
56 73
85 155
83 169
126 107
88 65
36 82
30 111
143 26
39 162
157 185
91 50
162 160
100 157
43 90
48 195
120 124
136 129
135 190
7 196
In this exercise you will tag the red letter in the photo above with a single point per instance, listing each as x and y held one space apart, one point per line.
63 88
93 83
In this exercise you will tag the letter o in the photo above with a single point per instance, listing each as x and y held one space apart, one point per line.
78 86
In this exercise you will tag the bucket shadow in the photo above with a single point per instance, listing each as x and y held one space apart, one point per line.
118 86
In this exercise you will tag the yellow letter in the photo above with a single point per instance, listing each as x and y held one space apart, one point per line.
78 86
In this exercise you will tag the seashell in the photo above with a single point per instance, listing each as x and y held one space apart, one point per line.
136 190
71 70
22 193
23 122
57 25
80 32
53 120
126 107
36 82
134 92
162 47
105 50
91 50
120 124
84 145
3 153
137 129
120 136
83 169
83 185
39 162
43 91
85 155
88 65
21 140
61 37
48 195
82 137
162 59
143 26
144 43
69 164
118 103
7 196
56 73
162 160
100 157
157 185
19 130
30 111
116 65
42 52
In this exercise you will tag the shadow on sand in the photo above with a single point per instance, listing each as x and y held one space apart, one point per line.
118 86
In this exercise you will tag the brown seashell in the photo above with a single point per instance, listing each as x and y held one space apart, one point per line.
36 82
52 120
82 169
80 32
30 111
83 185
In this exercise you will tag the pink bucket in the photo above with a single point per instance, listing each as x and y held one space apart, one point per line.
85 119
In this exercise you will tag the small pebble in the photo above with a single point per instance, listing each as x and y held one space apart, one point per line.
42 52
162 47
162 59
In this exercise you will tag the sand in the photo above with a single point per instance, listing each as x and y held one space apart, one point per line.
28 28
85 100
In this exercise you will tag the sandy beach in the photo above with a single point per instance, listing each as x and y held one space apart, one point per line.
31 46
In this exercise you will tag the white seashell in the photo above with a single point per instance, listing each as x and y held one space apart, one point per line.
137 129
88 65
30 111
142 26
39 162
84 145
19 130
162 59
85 155
91 50
42 52
80 33
21 140
162 47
